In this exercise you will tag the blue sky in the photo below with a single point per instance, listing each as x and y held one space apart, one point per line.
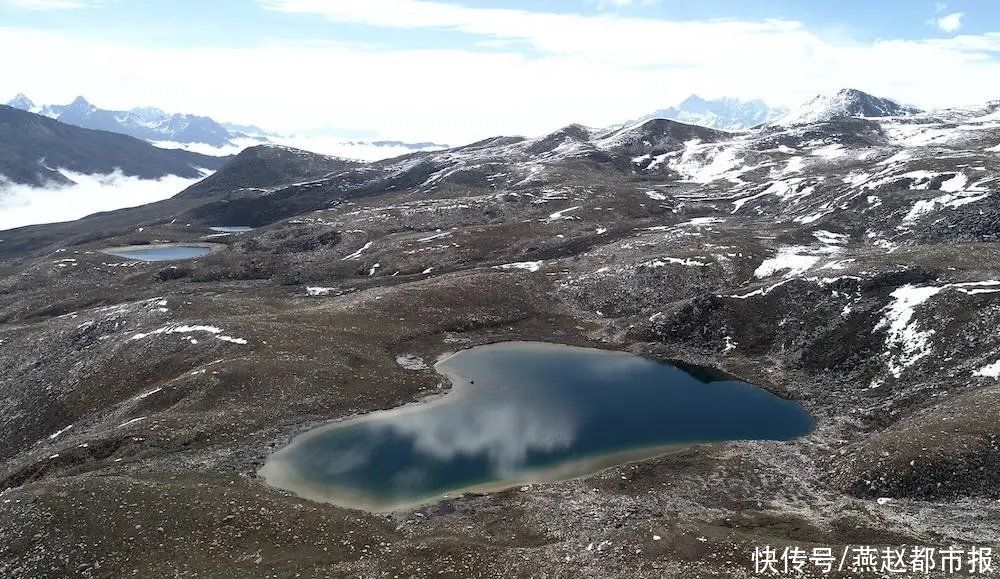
242 22
460 69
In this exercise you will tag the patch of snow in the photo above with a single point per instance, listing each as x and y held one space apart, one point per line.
525 265
857 179
131 422
921 180
674 260
558 215
179 330
435 236
146 394
705 163
812 218
948 201
759 292
785 190
411 362
794 165
793 260
357 253
903 337
978 287
739 203
897 158
834 151
59 433
955 184
215 331
990 371
917 135
830 238
701 222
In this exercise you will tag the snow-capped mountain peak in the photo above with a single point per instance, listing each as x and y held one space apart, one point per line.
147 123
80 104
728 114
149 113
22 102
844 103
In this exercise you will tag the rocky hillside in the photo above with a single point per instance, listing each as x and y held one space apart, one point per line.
850 263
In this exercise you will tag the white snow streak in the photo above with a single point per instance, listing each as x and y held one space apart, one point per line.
525 265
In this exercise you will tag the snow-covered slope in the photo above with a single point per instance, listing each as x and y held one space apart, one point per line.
844 103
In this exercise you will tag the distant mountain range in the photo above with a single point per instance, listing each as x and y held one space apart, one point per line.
160 127
147 123
731 114
35 148
727 114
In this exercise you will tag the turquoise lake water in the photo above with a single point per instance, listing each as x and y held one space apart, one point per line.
526 412
161 253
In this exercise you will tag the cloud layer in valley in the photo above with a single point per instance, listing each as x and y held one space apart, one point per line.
22 205
324 145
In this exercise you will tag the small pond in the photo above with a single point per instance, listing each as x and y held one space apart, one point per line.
162 252
523 412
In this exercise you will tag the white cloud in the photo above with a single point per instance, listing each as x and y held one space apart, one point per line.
595 69
49 4
951 22
624 3
625 41
324 145
22 205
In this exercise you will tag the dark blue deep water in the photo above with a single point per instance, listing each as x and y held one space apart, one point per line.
527 411
160 252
